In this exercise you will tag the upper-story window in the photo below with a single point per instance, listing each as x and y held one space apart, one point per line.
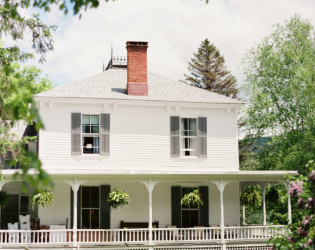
90 134
188 134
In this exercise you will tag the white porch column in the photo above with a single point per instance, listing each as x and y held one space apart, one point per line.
150 186
287 185
75 185
221 185
263 187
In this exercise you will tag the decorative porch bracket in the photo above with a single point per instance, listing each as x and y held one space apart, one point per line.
2 184
287 185
75 185
150 186
221 185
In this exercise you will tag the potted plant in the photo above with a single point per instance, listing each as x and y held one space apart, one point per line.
4 198
43 198
118 198
192 199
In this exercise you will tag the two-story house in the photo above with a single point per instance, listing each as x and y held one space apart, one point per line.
152 137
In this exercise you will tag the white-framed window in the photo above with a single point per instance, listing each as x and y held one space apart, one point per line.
90 207
90 134
190 214
188 137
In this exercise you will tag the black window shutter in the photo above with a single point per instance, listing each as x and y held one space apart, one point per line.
105 131
176 206
105 208
204 209
71 208
175 145
202 137
75 133
79 208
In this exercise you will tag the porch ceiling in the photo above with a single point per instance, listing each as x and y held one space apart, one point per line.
170 175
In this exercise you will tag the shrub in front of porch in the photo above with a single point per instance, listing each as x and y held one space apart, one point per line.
301 233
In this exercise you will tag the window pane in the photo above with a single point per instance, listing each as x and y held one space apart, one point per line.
184 126
192 127
94 119
185 218
85 197
95 129
95 197
86 119
24 204
86 129
94 213
193 218
90 145
85 218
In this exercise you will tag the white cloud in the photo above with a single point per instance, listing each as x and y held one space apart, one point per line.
174 30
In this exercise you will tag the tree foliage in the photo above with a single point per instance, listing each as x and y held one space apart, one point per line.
16 91
280 83
207 71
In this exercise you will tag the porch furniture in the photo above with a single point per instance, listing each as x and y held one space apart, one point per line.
59 235
173 234
124 224
25 224
14 236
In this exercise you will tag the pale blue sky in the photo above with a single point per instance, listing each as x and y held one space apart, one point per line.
173 28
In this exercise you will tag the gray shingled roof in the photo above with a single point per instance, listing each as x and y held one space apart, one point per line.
111 84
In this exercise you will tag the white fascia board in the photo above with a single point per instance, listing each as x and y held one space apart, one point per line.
136 102
131 175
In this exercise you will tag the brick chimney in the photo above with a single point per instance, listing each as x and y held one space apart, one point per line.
137 83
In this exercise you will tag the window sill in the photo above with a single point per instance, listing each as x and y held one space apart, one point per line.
188 158
86 157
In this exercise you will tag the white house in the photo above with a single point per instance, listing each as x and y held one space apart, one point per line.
153 138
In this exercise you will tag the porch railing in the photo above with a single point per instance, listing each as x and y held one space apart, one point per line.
138 236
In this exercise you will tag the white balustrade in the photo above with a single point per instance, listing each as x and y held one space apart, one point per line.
138 235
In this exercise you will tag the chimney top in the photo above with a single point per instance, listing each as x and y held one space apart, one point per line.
133 43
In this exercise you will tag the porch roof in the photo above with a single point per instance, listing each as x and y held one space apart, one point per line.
163 175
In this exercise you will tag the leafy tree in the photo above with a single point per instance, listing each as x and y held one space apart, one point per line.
15 97
280 82
301 233
207 71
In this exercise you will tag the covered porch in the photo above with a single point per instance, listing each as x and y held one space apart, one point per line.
152 200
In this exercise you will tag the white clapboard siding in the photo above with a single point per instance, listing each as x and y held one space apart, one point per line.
139 139
59 210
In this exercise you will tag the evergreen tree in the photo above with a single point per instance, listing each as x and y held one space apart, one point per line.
207 71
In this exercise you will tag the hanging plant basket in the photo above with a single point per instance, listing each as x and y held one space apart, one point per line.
4 198
43 198
118 198
192 199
